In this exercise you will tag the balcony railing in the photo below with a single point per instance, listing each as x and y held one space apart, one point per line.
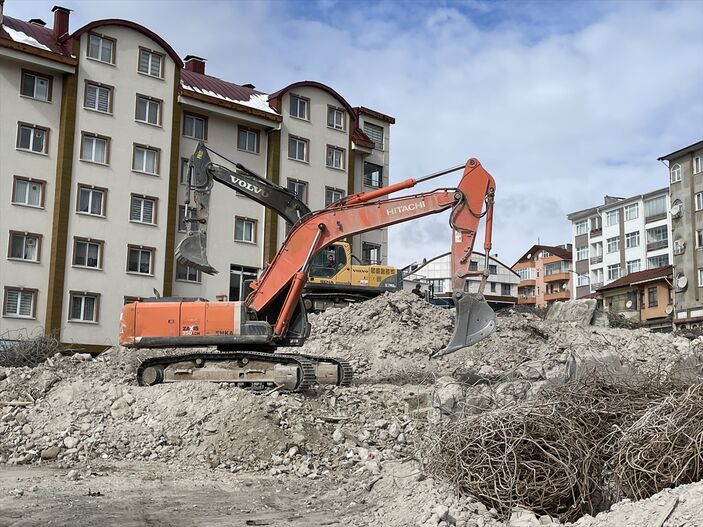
596 259
557 277
655 217
526 300
596 232
595 285
653 246
557 295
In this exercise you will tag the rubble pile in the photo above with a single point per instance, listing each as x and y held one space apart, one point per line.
366 441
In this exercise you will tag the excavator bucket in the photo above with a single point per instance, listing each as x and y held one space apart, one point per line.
475 320
192 251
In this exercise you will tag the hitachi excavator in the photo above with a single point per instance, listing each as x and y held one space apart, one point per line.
247 333
333 277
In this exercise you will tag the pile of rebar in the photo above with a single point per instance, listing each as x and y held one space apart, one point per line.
23 350
578 448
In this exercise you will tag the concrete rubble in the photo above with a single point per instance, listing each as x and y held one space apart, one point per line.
361 441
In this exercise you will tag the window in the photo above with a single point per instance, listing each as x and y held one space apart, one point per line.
101 48
29 192
299 188
505 289
582 253
186 171
675 173
83 307
142 209
473 266
658 235
699 200
94 148
596 249
150 63
371 253
632 239
632 212
655 207
652 297
596 224
299 107
248 140
633 266
90 200
36 86
373 175
335 118
19 302
139 259
186 273
436 285
492 269
238 276
131 300
581 228
375 133
332 195
525 273
655 262
335 157
148 110
87 253
98 97
700 277
613 272
195 127
32 138
597 276
613 245
493 285
582 279
24 246
297 148
699 239
145 160
612 217
182 224
244 230
697 165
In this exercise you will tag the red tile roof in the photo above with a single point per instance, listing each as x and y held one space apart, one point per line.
639 277
42 35
562 253
373 113
361 139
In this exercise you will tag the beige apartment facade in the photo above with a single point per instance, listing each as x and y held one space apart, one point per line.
96 127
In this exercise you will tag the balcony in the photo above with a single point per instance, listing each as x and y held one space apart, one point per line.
529 300
655 217
596 232
653 246
596 259
558 295
557 277
527 283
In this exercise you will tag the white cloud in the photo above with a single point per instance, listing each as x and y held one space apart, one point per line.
562 102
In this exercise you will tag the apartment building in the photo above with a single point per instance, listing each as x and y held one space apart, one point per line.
97 128
545 275
501 285
622 236
685 167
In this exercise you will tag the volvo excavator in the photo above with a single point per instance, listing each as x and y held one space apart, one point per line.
247 333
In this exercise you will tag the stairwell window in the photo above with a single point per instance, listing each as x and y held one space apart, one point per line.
335 157
697 165
87 253
582 279
24 246
699 200
185 273
142 209
91 200
298 148
32 138
332 195
150 63
195 127
98 97
36 86
248 140
19 303
28 192
83 307
699 239
94 148
148 110
140 259
675 173
244 230
582 253
145 159
101 48
299 107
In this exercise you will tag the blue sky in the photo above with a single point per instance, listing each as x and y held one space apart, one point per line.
563 102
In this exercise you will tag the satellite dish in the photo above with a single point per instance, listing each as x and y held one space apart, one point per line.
628 304
669 310
676 209
681 282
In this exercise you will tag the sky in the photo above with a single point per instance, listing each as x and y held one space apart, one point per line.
563 102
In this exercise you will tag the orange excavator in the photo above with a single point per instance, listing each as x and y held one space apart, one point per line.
247 333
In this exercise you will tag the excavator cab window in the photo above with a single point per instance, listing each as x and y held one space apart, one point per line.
328 262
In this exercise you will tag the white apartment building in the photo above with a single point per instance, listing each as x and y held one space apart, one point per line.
622 236
96 127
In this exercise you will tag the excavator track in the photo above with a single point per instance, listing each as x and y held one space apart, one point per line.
248 369
345 372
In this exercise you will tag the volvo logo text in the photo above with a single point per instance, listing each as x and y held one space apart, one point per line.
250 187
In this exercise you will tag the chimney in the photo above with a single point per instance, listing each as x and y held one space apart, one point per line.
37 22
61 15
195 64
